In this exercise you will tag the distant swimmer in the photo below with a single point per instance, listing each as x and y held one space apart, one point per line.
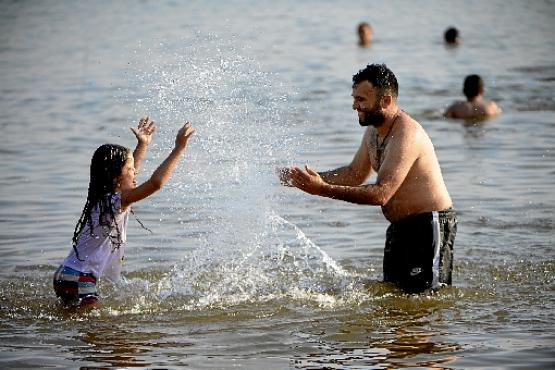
101 231
451 36
365 34
475 107
409 188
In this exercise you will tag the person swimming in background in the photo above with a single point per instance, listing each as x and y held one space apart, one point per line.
451 36
475 107
365 34
101 231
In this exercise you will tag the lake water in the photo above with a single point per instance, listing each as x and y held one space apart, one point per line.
239 271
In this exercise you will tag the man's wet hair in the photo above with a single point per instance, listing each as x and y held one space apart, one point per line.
473 86
380 77
451 35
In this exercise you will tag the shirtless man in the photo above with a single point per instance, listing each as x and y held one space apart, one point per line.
475 107
418 252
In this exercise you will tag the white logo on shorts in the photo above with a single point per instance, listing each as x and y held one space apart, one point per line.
415 271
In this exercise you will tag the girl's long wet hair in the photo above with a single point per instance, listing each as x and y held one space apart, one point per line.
106 165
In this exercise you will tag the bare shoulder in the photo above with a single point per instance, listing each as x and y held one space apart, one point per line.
492 108
410 127
410 134
456 109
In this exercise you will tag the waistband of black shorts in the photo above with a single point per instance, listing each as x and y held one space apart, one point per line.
444 215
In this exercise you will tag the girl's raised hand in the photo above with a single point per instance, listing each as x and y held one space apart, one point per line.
144 130
184 135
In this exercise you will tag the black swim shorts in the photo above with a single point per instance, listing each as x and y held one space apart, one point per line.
418 252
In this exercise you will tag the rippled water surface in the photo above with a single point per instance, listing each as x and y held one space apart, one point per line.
239 271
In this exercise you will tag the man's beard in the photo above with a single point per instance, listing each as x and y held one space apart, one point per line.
372 117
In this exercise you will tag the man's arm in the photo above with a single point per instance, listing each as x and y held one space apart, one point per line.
353 174
399 156
356 172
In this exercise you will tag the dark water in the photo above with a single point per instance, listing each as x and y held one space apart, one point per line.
241 272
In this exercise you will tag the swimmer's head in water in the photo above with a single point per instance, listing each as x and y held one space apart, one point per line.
365 34
473 86
451 35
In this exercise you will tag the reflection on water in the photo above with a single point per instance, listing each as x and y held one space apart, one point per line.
112 347
394 335
353 324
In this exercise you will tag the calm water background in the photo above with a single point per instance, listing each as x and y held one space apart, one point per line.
239 271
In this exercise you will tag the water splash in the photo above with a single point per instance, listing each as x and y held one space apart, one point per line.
228 196
274 269
243 116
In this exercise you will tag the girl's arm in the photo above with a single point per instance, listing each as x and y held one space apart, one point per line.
143 133
163 172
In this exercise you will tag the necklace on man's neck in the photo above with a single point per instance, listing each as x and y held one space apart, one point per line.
380 147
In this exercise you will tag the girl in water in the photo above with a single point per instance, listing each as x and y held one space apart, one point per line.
100 233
